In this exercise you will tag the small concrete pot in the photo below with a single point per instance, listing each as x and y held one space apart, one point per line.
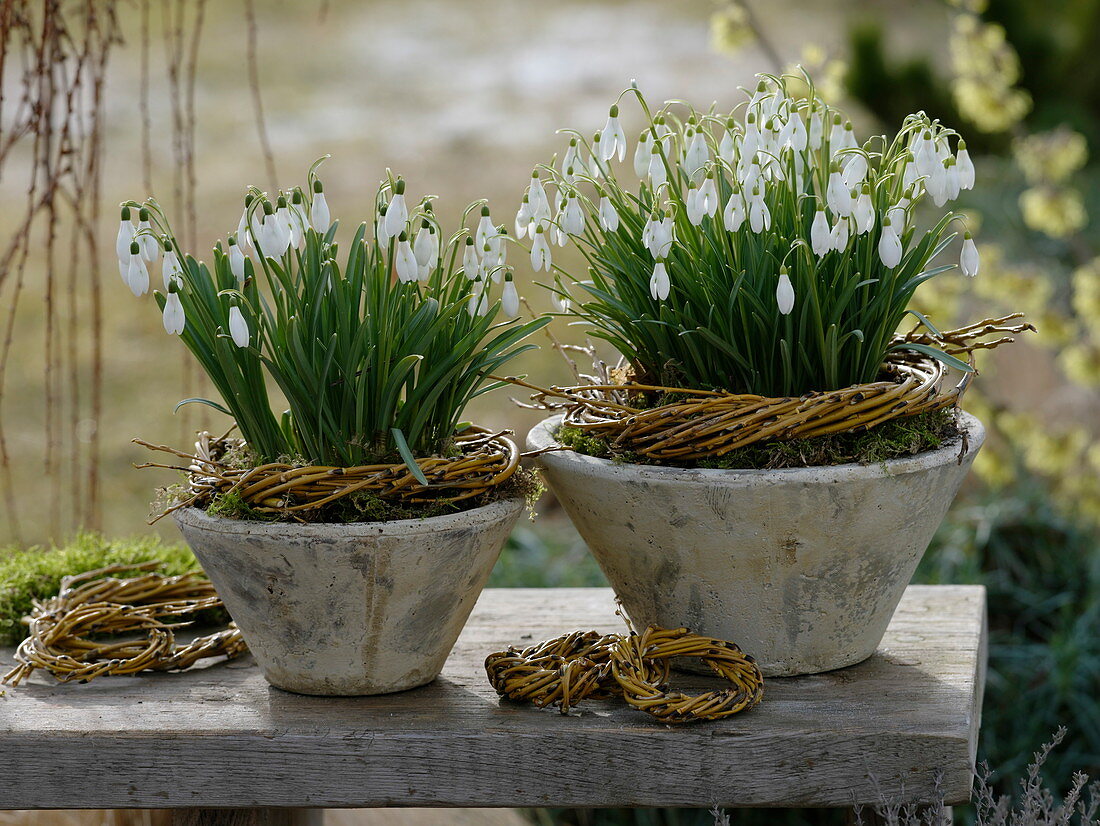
801 567
351 609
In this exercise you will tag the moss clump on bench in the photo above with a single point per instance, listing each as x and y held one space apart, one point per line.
27 574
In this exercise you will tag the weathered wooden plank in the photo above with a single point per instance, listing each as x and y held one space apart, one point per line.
219 736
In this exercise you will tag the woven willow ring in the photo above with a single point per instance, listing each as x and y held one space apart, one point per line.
639 664
483 460
65 630
560 672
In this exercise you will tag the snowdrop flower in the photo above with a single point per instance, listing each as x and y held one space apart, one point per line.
734 213
125 237
840 234
837 195
952 180
470 264
238 327
270 237
855 169
817 130
570 160
969 260
137 274
784 293
659 285
540 251
593 166
697 154
657 174
236 259
663 237
750 144
820 237
573 220
540 204
911 173
397 214
174 320
318 214
509 298
965 167
864 211
523 217
848 140
560 297
924 155
477 304
609 218
691 202
380 236
614 139
485 228
889 245
150 247
937 187
760 218
496 254
641 155
244 230
836 134
425 249
726 147
170 270
299 223
405 260
708 196
286 222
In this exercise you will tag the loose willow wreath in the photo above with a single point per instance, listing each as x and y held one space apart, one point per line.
699 424
485 459
66 630
586 665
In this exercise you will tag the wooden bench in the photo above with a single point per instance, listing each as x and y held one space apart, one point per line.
903 724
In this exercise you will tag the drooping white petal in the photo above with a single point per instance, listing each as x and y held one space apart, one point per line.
573 220
244 234
238 327
397 215
609 217
523 218
820 238
760 217
657 174
641 155
734 213
840 234
837 195
123 239
816 131
614 139
889 246
319 215
150 247
855 169
708 196
405 262
170 269
540 251
864 212
663 238
692 205
696 156
659 285
236 262
965 167
509 299
137 274
969 260
470 263
485 229
173 318
784 293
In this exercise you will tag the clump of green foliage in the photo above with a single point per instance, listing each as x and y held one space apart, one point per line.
894 439
362 506
27 574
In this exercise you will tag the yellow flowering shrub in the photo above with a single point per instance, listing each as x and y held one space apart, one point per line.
1053 211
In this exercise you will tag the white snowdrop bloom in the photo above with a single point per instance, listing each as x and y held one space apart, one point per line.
641 155
924 155
497 254
864 211
898 218
174 319
124 270
286 221
952 180
708 196
798 137
663 238
470 263
848 141
750 144
697 155
836 135
397 213
573 220
614 139
657 175
540 251
784 293
938 186
965 167
659 285
733 216
840 234
817 130
570 160
137 274
485 228
889 245
270 237
760 218
648 231
837 196
561 299
757 98
540 203
664 134
150 247
727 147
236 260
821 241
691 204
476 301
911 174
509 297
170 270
752 175
425 250
609 217
244 231
969 260
238 327
380 236
855 168
318 213
523 217
125 237
405 260
299 223
592 168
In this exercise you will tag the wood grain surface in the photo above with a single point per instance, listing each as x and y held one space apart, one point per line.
219 736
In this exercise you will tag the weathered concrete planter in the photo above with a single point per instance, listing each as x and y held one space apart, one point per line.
348 609
801 567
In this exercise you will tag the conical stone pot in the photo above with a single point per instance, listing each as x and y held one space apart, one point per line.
351 609
803 567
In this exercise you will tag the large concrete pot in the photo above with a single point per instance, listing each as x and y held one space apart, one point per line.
801 567
349 609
